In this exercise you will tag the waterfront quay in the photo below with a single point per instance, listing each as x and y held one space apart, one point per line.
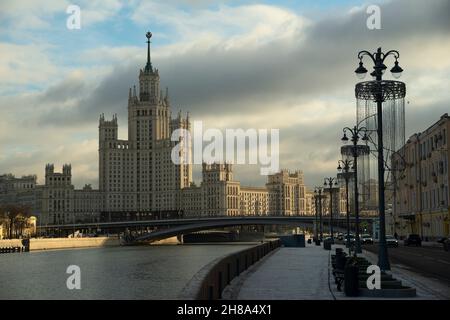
306 274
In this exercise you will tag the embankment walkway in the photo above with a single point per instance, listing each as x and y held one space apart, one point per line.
289 274
305 274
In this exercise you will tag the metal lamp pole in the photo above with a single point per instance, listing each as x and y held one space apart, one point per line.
329 183
318 191
355 136
316 217
345 170
379 67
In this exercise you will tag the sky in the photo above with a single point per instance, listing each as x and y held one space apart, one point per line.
284 65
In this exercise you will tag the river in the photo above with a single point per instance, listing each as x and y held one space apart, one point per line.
144 272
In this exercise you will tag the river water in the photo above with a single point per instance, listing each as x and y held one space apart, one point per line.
150 272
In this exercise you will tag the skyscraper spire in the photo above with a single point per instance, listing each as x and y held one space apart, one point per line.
148 66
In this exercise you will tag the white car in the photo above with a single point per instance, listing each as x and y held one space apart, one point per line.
391 241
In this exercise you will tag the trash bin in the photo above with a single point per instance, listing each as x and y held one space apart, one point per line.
26 244
318 242
327 244
351 283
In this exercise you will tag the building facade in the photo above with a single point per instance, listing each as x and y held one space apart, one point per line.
420 199
310 207
19 191
220 194
287 193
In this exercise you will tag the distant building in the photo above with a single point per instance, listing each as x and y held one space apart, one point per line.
220 194
61 203
338 205
254 201
421 197
287 193
19 192
310 209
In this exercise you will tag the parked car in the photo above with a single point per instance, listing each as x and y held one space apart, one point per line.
413 240
446 244
350 237
366 239
391 241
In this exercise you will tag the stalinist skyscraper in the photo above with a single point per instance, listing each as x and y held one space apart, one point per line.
138 175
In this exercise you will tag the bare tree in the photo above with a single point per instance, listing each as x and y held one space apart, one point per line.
16 217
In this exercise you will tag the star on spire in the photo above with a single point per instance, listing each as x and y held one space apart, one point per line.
148 66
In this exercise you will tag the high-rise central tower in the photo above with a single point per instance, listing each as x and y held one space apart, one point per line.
138 175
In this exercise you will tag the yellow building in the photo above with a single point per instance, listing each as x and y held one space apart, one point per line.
421 197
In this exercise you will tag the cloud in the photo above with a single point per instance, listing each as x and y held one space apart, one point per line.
30 15
24 65
238 66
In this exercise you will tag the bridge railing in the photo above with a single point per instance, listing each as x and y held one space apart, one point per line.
226 269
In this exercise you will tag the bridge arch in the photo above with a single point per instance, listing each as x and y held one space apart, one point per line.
225 222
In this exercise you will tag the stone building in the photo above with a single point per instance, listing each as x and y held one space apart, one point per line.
420 201
310 208
137 175
254 201
220 195
18 191
286 193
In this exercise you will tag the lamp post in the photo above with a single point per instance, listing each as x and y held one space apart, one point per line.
318 193
346 173
316 219
356 133
329 183
379 67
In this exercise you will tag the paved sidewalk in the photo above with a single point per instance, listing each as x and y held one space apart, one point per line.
289 274
305 274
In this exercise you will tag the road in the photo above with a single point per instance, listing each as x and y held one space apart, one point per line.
428 261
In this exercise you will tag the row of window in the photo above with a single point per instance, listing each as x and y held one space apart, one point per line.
146 112
432 143
435 199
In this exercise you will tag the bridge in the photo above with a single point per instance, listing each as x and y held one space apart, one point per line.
166 228
213 223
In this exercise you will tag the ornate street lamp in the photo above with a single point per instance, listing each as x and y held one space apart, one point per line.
345 168
380 91
318 195
329 183
356 150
